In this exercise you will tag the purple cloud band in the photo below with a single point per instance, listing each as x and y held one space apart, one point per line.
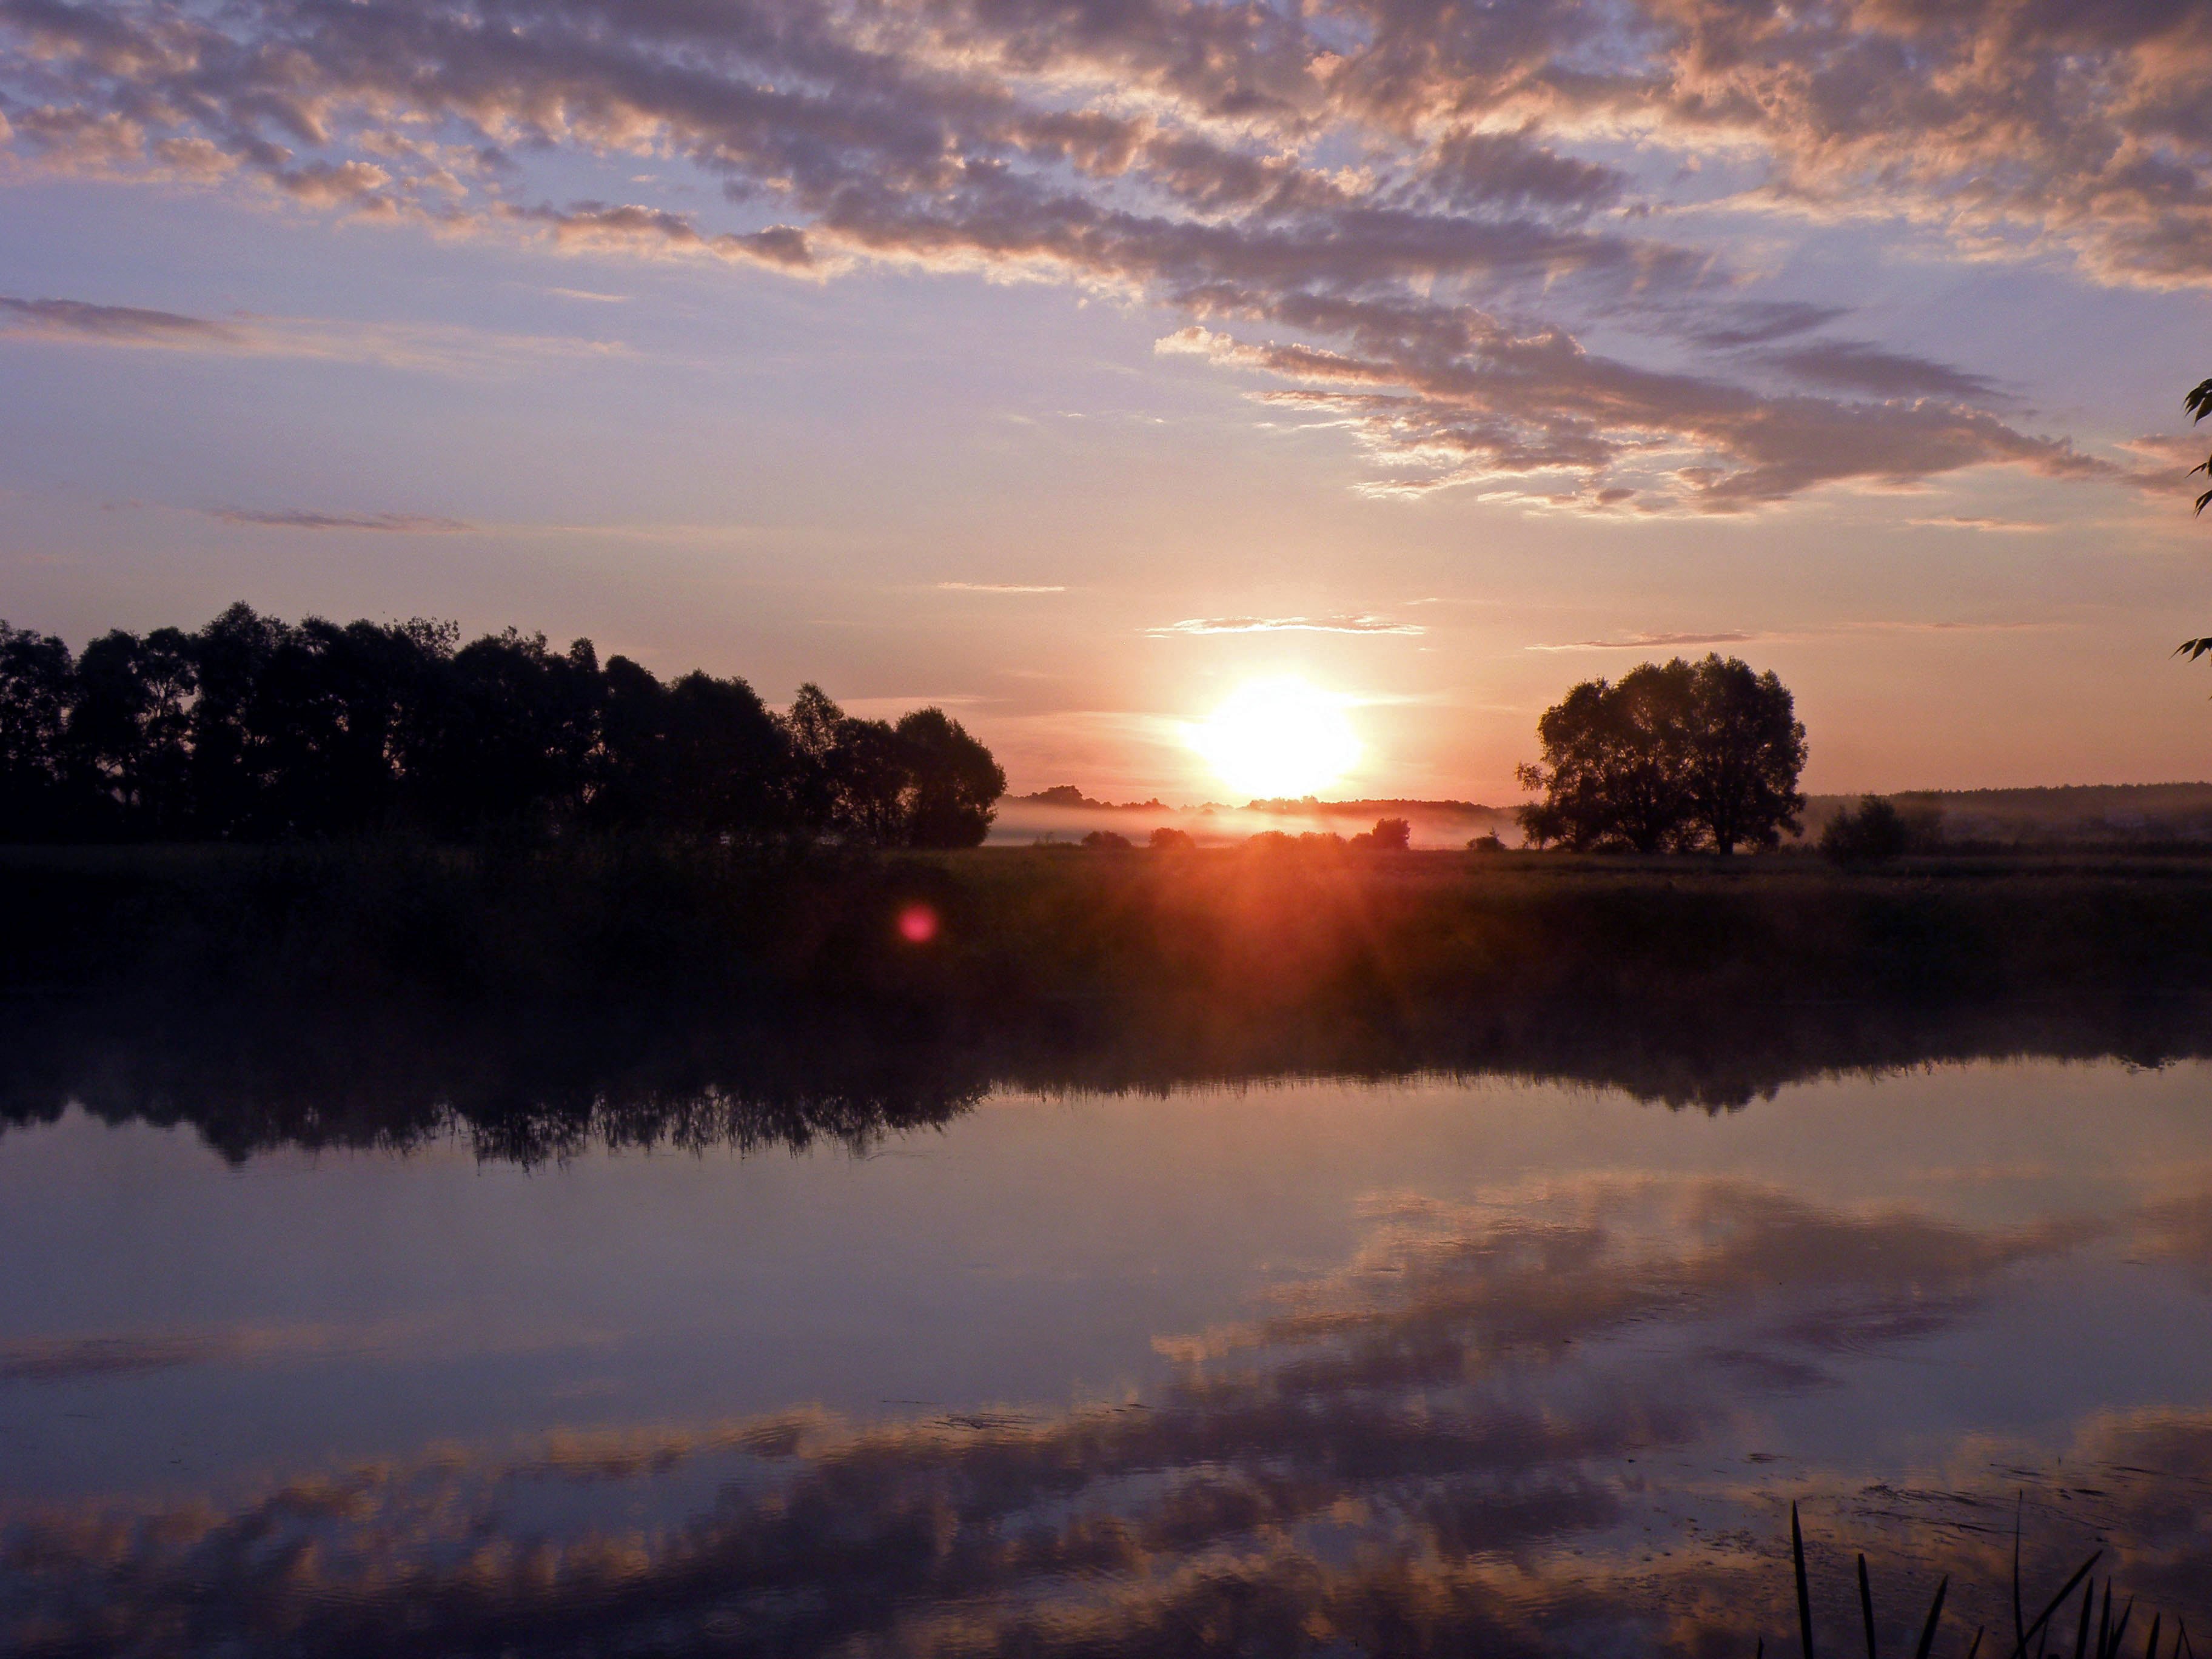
1377 209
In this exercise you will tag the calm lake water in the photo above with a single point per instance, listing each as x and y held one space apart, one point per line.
1450 1366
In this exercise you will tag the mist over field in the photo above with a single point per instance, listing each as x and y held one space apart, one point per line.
1026 820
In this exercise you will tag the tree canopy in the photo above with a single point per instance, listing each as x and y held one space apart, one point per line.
254 729
1672 758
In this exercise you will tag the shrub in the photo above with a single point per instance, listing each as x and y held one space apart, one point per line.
1873 832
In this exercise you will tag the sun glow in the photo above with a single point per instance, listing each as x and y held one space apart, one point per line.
1278 737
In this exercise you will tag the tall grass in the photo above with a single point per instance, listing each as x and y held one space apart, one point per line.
2105 1642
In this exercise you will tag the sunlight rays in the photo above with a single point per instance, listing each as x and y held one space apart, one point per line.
1278 737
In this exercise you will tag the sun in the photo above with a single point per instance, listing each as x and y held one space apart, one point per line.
1276 738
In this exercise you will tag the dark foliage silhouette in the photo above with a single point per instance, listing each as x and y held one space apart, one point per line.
1873 832
949 782
543 1076
596 970
2196 405
1673 758
1388 836
254 729
1614 759
35 693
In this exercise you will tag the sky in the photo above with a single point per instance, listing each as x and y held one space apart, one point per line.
1073 364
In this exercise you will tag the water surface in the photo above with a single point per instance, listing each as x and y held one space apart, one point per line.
1431 1365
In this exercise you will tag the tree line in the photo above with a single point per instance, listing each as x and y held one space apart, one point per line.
254 729
1671 757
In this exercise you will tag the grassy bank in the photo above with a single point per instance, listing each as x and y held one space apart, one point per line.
639 991
1026 934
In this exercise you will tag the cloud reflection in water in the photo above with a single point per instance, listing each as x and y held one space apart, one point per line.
1523 1425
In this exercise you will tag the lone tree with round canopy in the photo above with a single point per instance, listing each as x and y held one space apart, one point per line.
1672 758
1746 750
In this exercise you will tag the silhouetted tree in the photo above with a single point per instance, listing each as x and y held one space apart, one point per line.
1674 756
952 780
37 687
634 776
728 756
1746 749
1615 763
2196 405
811 729
1167 839
1107 840
1390 835
253 728
505 733
227 770
104 738
1873 832
703 756
924 782
329 718
872 779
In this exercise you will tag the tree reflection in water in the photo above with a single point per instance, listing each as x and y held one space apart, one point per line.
1529 1425
538 1084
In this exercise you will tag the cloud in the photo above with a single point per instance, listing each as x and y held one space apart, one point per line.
442 347
1857 366
1436 1433
1670 641
1758 322
405 524
1341 624
73 1358
890 708
1457 399
1650 642
61 1360
1949 627
77 319
1963 521
1389 217
2167 449
634 228
1001 587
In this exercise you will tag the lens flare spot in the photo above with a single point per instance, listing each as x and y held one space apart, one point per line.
917 924
1278 737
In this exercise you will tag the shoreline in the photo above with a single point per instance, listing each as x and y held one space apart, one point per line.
358 995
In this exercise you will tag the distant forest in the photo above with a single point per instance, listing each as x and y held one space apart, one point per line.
254 729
